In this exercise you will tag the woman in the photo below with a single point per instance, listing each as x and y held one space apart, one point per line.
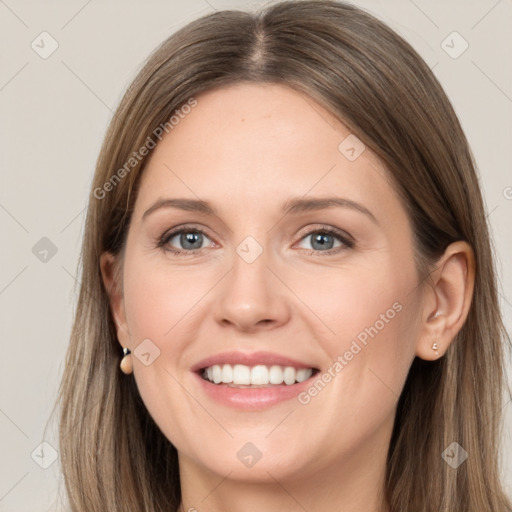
287 245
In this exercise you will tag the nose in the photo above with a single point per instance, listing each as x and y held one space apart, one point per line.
251 298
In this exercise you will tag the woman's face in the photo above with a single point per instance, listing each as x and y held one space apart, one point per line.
267 243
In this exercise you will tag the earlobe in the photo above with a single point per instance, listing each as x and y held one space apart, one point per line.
448 298
110 271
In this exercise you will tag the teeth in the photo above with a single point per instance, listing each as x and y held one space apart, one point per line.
303 374
217 374
289 375
259 375
241 374
275 375
227 374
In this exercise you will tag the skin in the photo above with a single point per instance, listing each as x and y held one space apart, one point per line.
247 149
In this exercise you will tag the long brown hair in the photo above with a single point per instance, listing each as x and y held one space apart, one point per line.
114 457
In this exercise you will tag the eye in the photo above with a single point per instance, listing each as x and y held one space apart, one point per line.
185 240
190 240
328 240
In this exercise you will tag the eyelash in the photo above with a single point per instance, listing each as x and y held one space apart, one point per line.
344 239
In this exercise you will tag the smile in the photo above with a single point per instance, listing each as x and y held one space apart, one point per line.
252 381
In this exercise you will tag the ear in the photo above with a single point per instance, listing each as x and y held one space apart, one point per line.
111 274
448 295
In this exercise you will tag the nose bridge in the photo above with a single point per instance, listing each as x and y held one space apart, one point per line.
251 296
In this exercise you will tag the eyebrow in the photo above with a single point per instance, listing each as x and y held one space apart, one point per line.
305 205
189 205
298 205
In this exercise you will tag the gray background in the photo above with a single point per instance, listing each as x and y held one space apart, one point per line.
54 112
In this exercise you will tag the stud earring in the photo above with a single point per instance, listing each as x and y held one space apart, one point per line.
435 348
126 363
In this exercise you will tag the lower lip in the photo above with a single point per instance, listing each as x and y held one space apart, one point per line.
252 399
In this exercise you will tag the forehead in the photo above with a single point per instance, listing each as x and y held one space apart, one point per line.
254 117
249 142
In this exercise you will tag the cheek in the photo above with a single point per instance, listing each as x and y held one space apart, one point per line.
159 306
158 297
368 300
370 315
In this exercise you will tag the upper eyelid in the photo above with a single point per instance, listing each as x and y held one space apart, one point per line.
327 228
185 227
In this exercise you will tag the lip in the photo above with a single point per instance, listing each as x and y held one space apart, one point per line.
250 399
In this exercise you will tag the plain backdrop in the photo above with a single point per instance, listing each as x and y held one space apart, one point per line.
54 110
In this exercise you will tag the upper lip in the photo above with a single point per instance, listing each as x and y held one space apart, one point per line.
249 359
